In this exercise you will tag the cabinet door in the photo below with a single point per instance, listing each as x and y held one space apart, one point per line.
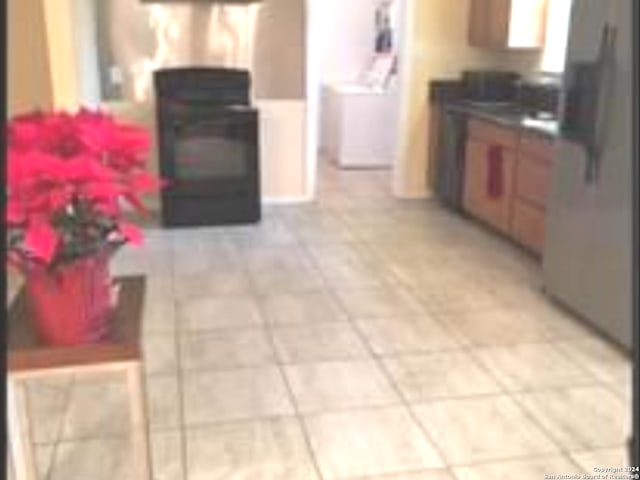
499 20
532 180
473 176
489 23
479 20
477 199
528 225
499 24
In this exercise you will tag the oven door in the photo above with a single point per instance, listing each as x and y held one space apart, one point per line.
213 154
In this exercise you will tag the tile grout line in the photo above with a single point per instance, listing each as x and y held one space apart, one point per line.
514 394
378 359
60 434
409 406
182 426
281 370
392 384
536 421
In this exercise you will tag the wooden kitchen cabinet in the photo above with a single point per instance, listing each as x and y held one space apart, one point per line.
507 24
477 200
526 175
533 178
493 133
435 120
528 225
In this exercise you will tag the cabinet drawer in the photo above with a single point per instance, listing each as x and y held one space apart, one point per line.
528 225
537 146
532 180
492 133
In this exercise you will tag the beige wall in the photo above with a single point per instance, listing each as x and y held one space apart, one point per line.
436 47
43 72
280 50
41 57
29 82
267 38
59 23
282 144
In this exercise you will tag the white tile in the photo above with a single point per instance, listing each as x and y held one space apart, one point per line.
372 442
439 375
432 474
529 469
497 327
262 450
313 307
159 305
297 343
97 459
404 335
339 385
276 258
287 280
163 400
269 232
97 408
580 418
482 429
44 458
212 283
602 458
166 453
603 360
378 302
226 348
47 401
462 296
530 366
234 395
218 312
160 354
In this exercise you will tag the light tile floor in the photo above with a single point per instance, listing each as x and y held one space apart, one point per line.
358 337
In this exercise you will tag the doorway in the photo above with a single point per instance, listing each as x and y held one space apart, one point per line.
354 81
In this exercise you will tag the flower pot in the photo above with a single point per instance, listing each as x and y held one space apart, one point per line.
71 305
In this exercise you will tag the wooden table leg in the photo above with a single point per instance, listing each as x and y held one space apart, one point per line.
19 431
139 420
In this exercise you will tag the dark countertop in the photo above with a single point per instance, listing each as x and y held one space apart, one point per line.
506 115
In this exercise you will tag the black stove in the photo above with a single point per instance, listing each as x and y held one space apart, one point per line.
208 146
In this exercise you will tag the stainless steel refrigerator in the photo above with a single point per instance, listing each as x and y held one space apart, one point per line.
587 259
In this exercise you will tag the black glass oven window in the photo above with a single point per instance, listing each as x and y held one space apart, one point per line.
210 150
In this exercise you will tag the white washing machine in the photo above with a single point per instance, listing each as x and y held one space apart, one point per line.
359 125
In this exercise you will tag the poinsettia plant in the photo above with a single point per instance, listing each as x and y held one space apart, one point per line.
69 176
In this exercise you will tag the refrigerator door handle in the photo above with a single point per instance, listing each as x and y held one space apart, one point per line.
606 64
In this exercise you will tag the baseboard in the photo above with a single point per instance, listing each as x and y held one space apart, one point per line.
413 196
286 200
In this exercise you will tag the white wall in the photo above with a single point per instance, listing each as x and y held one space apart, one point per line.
346 36
340 46
557 33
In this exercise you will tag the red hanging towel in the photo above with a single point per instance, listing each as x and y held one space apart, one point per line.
495 160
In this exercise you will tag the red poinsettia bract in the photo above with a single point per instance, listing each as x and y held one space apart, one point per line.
68 176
